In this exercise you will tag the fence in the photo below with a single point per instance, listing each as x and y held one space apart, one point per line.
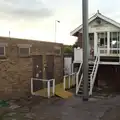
69 81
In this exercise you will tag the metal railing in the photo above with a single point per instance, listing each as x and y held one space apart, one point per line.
49 87
110 51
69 81
78 82
93 74
78 86
77 75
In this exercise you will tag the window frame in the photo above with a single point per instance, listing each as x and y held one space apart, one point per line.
57 48
4 46
20 46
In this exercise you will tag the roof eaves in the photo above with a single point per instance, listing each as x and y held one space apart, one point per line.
80 26
109 20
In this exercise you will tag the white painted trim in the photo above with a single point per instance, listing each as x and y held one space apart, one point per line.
109 63
77 61
24 45
3 44
48 88
53 87
95 43
24 55
70 82
93 18
32 86
108 43
106 63
4 52
80 27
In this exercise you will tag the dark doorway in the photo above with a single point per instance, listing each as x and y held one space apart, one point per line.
37 72
50 67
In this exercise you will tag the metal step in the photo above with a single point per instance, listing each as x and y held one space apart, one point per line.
82 85
90 69
81 91
91 65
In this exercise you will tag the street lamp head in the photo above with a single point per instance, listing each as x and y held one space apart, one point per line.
58 21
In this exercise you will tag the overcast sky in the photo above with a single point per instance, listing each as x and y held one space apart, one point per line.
35 19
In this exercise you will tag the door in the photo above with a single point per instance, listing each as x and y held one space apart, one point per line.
91 45
37 72
102 40
67 65
50 67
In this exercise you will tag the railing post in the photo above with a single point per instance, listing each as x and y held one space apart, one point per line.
90 93
76 82
76 79
53 87
69 81
72 79
64 83
31 85
48 86
76 89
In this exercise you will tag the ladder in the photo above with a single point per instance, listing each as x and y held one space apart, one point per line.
92 71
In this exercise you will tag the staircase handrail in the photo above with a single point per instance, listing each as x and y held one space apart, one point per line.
94 72
94 66
73 75
77 74
77 87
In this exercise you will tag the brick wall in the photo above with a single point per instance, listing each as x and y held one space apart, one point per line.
79 40
15 72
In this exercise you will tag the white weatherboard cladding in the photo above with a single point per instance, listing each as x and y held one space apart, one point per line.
104 26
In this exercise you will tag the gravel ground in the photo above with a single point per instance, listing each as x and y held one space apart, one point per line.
59 109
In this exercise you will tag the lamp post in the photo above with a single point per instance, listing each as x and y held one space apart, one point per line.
9 34
85 49
56 21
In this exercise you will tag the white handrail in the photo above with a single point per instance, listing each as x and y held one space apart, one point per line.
69 80
93 74
42 79
77 75
48 86
94 66
77 87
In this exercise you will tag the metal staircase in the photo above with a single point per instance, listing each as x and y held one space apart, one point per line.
92 71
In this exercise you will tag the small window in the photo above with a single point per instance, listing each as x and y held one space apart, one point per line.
2 50
57 51
24 50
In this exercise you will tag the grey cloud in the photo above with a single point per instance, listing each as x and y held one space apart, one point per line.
27 9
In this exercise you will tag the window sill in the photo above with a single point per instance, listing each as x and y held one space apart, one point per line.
57 54
3 57
25 56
